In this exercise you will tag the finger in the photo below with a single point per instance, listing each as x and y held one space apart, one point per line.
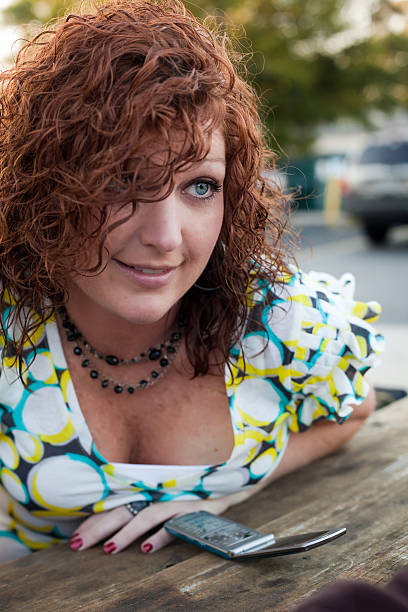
145 521
157 540
99 527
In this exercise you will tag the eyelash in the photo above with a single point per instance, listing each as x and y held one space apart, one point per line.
214 185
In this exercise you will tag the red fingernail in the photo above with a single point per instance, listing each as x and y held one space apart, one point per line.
147 547
74 538
109 548
76 544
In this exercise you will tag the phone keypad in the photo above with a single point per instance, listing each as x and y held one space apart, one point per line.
218 530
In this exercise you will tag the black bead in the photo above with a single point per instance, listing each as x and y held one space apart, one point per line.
154 354
105 383
155 374
94 374
85 363
164 362
131 390
112 360
118 389
171 349
175 337
143 383
66 324
78 350
73 336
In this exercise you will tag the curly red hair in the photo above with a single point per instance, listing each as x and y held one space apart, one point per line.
84 102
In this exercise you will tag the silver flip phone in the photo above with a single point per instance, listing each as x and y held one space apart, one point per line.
235 541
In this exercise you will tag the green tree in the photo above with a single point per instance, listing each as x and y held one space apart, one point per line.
309 70
32 12
305 65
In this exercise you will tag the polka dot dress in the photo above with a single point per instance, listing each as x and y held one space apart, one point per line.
308 365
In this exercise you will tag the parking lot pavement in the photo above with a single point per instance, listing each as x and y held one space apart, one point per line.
393 371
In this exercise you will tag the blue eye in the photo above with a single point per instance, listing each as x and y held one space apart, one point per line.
203 189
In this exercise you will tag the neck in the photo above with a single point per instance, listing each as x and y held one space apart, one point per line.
109 333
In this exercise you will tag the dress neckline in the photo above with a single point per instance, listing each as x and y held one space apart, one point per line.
117 464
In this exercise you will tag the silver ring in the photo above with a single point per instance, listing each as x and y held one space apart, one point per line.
136 506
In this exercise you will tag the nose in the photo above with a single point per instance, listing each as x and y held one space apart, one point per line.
161 224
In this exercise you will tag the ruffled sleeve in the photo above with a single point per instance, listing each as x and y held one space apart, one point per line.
319 344
335 346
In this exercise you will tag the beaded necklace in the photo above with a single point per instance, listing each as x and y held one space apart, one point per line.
164 354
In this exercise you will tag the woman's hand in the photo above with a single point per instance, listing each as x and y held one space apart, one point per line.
117 528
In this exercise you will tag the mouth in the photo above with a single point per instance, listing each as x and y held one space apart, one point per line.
150 270
147 277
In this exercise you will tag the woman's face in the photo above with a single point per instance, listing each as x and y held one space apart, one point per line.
158 254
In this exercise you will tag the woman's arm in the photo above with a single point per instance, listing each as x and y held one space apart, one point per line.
320 440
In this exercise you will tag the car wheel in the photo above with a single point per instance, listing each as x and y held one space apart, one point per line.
376 232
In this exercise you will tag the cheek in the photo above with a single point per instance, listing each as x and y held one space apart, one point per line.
207 233
117 236
93 252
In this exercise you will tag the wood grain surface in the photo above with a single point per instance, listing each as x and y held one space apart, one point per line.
363 487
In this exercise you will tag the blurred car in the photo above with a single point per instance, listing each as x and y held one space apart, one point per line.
375 188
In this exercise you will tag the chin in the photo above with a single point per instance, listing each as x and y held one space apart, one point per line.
148 314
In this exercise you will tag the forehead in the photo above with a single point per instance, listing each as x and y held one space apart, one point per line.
177 146
217 145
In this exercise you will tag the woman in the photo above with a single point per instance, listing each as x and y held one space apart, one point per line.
158 346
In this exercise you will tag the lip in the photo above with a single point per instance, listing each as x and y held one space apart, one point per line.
148 266
159 279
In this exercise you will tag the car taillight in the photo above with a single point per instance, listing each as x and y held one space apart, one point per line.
345 187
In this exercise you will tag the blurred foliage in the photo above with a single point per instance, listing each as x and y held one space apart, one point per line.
305 66
30 12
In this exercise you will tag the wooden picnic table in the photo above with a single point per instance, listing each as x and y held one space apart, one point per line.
363 487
